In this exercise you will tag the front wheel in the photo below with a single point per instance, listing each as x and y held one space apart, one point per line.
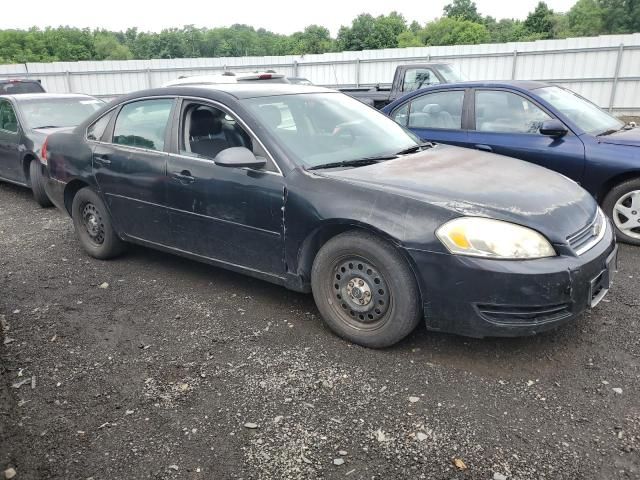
93 225
622 205
37 179
365 290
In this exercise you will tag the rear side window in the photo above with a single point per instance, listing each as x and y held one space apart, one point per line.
8 120
416 78
143 124
506 112
97 128
20 87
441 110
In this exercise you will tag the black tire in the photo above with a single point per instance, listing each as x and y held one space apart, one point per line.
617 193
37 180
393 305
93 226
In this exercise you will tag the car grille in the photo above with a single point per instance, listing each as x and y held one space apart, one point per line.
586 238
524 315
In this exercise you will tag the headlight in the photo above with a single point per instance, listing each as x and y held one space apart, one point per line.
484 237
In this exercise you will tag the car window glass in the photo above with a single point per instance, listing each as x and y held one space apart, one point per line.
8 120
97 128
416 78
319 128
400 115
143 124
437 110
207 130
506 112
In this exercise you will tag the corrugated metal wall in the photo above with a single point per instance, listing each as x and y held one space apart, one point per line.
605 69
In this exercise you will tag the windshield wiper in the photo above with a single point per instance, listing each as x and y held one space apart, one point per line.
46 126
415 148
359 162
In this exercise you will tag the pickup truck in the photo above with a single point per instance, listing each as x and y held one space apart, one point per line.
406 79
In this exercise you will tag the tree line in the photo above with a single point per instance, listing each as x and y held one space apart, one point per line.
460 24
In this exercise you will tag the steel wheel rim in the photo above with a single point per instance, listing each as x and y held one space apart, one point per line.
93 223
361 294
626 214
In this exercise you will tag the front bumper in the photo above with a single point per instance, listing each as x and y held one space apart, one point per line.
480 297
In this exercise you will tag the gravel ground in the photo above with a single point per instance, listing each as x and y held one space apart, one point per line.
152 366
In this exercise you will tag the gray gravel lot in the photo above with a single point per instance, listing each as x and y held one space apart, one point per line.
181 370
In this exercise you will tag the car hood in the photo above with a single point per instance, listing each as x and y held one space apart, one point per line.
469 182
629 137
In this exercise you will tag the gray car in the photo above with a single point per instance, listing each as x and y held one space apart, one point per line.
25 122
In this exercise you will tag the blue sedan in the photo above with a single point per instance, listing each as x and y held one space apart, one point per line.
540 123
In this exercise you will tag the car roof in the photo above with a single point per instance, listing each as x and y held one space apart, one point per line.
519 84
18 97
237 90
20 80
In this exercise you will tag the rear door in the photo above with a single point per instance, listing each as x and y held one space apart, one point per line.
10 165
508 123
130 168
435 116
232 215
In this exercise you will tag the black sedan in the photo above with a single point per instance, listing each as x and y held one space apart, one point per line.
25 122
309 188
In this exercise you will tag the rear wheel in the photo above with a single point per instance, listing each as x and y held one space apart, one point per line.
622 205
37 180
365 290
93 225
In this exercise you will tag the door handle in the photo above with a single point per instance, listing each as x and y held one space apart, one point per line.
183 176
484 148
102 160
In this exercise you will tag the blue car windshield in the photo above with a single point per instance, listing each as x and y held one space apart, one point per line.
317 128
581 112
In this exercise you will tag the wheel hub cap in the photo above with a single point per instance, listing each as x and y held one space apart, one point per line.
626 214
93 223
361 291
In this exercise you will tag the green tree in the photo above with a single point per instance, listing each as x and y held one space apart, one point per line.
463 10
620 16
453 31
409 39
314 39
107 47
540 22
367 32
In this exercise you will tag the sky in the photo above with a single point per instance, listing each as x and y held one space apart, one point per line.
280 16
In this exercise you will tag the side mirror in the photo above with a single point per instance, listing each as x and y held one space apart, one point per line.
553 128
238 157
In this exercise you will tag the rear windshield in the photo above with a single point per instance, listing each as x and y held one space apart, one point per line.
9 88
58 112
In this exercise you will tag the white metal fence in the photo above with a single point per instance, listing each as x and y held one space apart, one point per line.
605 69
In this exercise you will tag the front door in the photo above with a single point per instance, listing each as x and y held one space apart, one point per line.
130 169
508 124
10 165
435 117
232 215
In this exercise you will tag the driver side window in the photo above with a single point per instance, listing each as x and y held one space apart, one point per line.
417 78
506 112
206 131
8 120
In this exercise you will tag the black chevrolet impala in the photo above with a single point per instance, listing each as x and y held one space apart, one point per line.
311 189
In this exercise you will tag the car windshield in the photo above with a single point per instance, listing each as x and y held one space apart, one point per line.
321 128
583 113
58 112
450 73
